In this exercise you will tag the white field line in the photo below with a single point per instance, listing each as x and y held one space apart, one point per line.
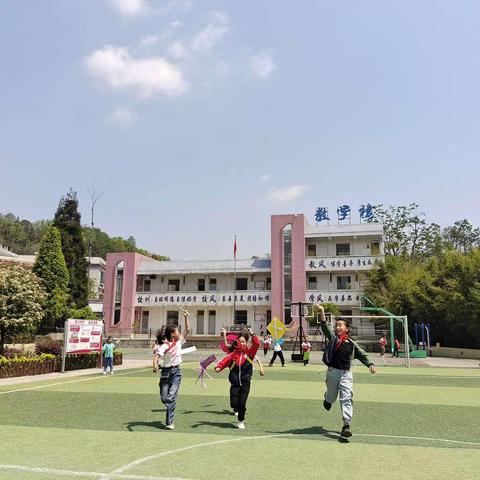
191 447
220 442
90 377
73 473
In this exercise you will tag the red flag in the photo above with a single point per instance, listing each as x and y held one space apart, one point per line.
235 247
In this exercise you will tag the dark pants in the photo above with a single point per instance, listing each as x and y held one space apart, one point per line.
238 399
265 351
395 352
170 379
279 355
107 362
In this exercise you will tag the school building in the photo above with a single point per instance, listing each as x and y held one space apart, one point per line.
309 263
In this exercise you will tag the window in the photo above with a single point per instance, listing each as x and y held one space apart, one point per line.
259 285
242 284
172 318
139 283
146 285
269 283
200 322
144 324
312 283
173 285
375 248
312 250
118 292
212 318
212 284
344 282
201 284
241 317
269 316
342 249
102 278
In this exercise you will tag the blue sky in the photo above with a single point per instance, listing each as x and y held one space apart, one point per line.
199 119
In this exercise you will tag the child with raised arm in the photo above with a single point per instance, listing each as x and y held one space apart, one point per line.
171 376
240 362
339 353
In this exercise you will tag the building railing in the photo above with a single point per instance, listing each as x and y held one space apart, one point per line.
343 262
204 299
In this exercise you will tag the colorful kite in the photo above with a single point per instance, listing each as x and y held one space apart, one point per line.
276 328
202 371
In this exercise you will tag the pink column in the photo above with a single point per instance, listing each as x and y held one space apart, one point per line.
278 223
127 311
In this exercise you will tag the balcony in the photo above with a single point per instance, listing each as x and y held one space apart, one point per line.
341 263
339 297
243 298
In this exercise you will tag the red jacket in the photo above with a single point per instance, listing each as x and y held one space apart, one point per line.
240 363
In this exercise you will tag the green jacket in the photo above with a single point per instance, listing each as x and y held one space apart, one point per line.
358 352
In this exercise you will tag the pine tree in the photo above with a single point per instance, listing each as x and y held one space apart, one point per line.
67 220
51 268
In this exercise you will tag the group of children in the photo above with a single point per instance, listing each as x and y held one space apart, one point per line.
339 353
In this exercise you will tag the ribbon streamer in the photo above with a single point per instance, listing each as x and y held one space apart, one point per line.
202 371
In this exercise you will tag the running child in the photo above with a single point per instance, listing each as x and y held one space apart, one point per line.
338 356
306 347
267 341
383 345
240 362
277 352
171 343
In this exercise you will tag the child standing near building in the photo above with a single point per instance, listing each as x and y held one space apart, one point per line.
306 347
277 352
267 341
338 356
396 347
171 343
108 350
240 362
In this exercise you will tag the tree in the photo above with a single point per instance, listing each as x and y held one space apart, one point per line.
82 313
406 231
21 300
328 308
67 220
462 236
51 268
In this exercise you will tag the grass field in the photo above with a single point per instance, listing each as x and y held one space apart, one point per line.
407 424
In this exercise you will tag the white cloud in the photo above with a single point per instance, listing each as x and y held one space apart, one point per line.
287 194
122 117
205 40
129 8
177 51
219 17
264 178
115 67
149 40
261 65
176 24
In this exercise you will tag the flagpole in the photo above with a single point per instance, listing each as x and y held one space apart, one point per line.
234 275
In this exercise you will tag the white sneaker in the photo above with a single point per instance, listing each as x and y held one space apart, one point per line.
104 372
170 427
241 425
236 414
111 373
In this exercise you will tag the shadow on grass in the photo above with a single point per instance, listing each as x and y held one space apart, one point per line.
154 425
228 425
315 430
213 412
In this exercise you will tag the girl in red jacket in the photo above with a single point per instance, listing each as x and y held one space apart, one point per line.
240 362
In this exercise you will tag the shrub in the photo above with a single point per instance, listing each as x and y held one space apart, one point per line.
20 366
47 345
13 352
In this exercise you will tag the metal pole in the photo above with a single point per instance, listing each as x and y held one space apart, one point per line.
64 345
407 346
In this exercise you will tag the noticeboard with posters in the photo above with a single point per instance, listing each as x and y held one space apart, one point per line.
83 336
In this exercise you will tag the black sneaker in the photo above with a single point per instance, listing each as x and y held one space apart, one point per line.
346 432
327 405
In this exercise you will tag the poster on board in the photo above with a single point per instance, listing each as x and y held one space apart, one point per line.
83 336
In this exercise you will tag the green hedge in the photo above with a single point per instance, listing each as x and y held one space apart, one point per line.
48 363
21 366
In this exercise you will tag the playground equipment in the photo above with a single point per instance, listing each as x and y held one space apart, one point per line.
422 337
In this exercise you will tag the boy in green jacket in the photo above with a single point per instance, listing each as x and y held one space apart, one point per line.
338 356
